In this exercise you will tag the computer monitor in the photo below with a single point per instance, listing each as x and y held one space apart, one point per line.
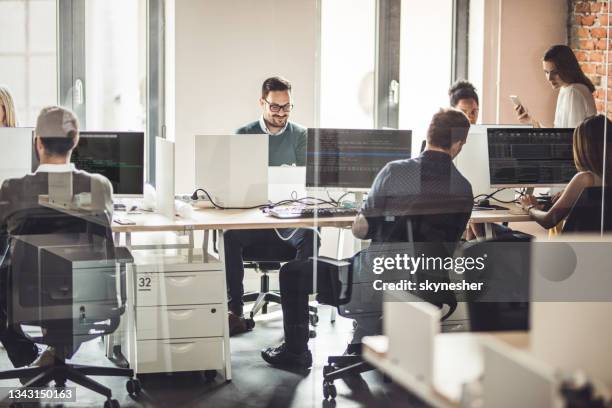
119 156
473 160
17 149
233 169
538 157
350 159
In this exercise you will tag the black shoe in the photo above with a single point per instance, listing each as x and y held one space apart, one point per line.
281 356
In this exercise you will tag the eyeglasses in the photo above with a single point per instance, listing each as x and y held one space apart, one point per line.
276 108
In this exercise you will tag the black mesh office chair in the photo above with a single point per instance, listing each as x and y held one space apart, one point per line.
504 303
585 215
65 276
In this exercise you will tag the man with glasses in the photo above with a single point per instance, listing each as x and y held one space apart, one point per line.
287 139
287 146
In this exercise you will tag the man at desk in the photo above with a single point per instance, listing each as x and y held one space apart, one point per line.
287 146
420 200
287 140
57 133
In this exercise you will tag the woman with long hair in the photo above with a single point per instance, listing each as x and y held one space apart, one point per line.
588 147
7 108
575 101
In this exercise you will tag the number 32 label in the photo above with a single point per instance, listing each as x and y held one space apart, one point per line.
144 283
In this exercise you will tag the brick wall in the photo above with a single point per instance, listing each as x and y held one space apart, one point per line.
588 23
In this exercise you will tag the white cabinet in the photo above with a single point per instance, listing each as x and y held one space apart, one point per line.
177 313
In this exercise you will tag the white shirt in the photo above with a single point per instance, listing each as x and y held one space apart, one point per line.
264 128
575 103
55 168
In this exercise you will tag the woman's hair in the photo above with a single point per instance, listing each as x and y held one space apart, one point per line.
589 146
567 66
462 90
6 100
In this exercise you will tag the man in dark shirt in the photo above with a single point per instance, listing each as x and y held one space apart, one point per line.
420 200
287 146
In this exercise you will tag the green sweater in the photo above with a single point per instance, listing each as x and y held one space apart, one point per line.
288 147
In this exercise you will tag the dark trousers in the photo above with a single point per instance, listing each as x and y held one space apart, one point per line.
295 286
234 241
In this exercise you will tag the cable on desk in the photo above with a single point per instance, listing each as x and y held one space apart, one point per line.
492 196
308 201
293 233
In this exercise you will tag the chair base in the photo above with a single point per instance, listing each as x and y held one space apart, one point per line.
61 372
339 367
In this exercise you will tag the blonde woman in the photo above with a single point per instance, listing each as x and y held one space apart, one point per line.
7 108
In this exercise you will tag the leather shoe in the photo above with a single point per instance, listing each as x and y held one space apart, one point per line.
282 357
237 324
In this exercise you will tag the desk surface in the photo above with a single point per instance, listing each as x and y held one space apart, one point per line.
206 219
457 360
485 216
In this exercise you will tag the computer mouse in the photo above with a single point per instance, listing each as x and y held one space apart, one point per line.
483 203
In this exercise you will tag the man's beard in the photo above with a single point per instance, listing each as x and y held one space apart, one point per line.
273 124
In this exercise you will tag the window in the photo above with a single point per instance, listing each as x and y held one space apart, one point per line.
348 35
28 62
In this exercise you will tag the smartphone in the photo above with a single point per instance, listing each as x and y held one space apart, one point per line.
515 100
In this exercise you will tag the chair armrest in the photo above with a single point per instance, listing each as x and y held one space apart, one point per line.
123 255
331 261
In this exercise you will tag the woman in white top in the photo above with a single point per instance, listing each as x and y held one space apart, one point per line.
575 101
588 147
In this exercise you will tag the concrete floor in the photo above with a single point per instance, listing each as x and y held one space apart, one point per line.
255 383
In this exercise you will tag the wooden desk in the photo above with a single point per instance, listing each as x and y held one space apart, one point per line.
457 360
212 219
254 219
491 216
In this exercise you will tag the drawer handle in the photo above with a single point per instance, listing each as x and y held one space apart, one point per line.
181 347
180 280
182 314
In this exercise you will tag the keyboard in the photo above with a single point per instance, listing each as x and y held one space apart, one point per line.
311 212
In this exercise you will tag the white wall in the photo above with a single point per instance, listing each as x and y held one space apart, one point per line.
223 50
515 35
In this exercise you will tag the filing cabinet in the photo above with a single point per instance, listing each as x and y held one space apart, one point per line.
177 313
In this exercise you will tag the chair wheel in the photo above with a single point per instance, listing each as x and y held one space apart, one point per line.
210 375
312 334
328 369
314 319
250 323
329 390
133 386
111 403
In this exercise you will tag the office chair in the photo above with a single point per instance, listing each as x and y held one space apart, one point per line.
350 290
66 276
263 259
504 303
585 215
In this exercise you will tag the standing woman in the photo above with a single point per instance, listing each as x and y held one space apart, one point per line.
575 102
7 108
